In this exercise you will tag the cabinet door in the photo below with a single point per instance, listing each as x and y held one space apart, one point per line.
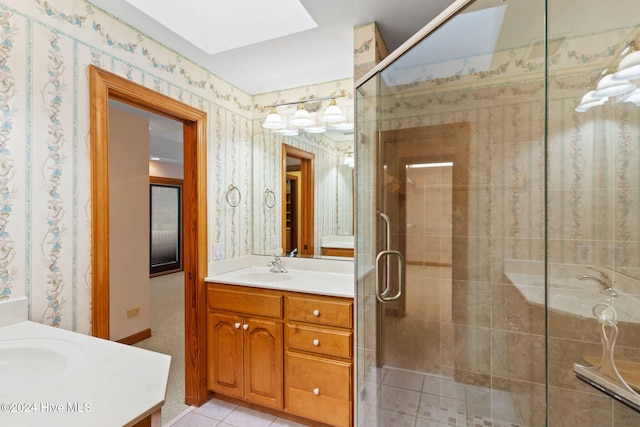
225 354
319 389
263 362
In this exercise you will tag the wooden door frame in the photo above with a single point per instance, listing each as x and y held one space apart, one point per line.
306 204
103 86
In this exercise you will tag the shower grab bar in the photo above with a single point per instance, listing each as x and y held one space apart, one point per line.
381 295
387 223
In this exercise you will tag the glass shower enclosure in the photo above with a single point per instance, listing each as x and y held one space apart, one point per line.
498 220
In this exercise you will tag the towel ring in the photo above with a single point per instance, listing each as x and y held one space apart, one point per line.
233 189
269 198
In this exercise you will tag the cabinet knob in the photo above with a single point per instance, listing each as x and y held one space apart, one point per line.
316 391
316 342
316 313
237 325
245 326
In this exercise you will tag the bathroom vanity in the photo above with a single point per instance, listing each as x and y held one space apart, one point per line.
283 341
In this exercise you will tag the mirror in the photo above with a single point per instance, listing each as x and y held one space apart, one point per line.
333 188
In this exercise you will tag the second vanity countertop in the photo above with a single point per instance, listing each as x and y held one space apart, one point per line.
77 380
342 242
313 276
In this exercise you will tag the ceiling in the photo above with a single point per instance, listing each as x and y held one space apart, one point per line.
254 62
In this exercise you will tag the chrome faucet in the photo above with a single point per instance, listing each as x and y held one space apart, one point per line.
293 253
604 281
276 267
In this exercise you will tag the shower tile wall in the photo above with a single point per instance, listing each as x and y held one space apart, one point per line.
429 215
496 337
491 334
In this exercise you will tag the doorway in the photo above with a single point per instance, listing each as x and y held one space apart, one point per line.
292 214
297 218
103 87
422 183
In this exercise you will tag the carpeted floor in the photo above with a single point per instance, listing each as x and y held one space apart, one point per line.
167 336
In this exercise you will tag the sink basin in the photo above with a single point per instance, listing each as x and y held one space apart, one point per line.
264 277
25 363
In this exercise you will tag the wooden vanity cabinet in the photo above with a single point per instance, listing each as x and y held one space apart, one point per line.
319 359
284 350
245 358
345 252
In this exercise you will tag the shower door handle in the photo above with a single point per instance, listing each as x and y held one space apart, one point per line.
381 296
387 223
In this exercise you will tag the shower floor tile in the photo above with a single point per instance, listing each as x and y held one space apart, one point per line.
442 402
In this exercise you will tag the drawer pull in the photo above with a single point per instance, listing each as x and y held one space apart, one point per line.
316 391
316 313
245 326
237 325
316 342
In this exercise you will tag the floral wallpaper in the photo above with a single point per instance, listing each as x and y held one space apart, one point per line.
45 221
7 163
45 214
369 49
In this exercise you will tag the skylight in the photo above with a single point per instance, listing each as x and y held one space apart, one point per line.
216 26
468 35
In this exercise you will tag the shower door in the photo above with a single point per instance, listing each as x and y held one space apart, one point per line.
420 196
418 171
450 160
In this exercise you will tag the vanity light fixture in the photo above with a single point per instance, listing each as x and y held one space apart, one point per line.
589 101
333 113
349 161
287 132
617 83
629 67
607 86
315 129
303 118
273 120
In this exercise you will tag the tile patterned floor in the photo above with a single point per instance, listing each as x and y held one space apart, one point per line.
408 399
224 414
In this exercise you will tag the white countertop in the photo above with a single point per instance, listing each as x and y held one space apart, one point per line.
97 383
321 277
566 293
340 242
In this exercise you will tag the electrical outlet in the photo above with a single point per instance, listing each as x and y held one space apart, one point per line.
133 312
275 241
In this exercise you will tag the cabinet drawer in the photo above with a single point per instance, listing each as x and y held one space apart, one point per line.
319 389
323 311
320 341
243 300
